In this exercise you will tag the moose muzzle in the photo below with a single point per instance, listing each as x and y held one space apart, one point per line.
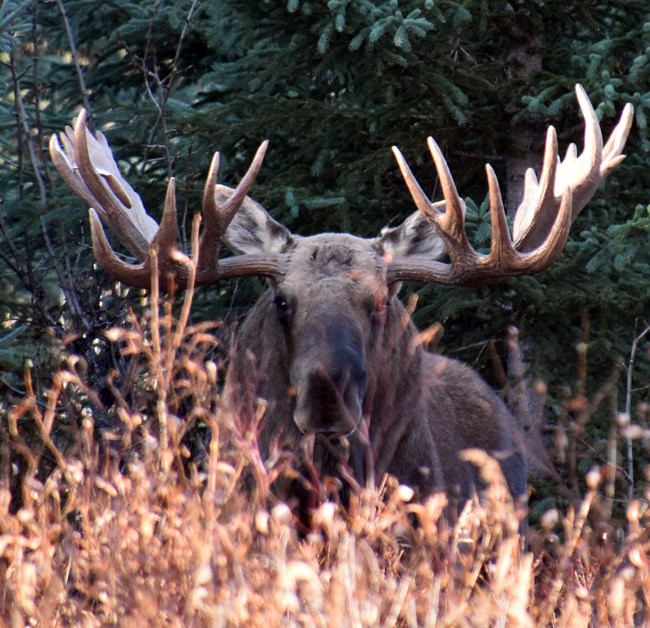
329 377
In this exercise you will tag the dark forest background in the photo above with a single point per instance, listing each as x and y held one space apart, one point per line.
333 85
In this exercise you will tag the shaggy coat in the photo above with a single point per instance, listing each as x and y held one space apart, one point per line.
333 352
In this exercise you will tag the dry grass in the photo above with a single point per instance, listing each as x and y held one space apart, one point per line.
137 533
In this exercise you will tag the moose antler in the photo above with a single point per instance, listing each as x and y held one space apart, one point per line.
87 165
543 218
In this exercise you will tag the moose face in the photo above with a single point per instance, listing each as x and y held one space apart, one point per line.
331 301
331 305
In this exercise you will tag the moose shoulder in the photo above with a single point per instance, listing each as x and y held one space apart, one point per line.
329 346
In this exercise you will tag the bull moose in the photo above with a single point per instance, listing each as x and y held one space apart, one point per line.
329 346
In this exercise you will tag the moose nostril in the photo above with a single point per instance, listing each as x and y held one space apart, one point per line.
331 400
329 375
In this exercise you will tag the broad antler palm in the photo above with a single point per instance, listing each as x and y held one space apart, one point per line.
542 220
87 165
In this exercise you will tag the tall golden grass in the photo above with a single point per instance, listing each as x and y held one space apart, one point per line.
133 529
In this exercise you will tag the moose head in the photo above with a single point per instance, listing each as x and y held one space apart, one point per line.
329 345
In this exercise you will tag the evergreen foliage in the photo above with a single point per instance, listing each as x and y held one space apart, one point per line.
333 85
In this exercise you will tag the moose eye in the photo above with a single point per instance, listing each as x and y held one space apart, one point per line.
283 309
380 306
377 307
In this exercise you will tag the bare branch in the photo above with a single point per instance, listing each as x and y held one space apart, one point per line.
75 59
628 407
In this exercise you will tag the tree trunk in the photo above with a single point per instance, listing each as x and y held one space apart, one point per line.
525 59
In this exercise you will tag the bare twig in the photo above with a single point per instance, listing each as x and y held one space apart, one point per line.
601 394
23 124
612 459
628 408
66 280
75 59
589 408
157 87
37 92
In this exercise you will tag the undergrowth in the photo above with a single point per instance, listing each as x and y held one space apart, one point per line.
171 518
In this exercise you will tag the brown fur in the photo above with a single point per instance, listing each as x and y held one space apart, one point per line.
419 410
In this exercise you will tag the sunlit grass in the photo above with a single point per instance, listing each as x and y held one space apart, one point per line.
132 527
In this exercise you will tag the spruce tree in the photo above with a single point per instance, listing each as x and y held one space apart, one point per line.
332 85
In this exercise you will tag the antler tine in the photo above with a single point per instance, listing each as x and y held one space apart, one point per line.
420 199
612 153
582 173
218 217
136 275
452 222
171 260
210 207
124 212
114 198
583 176
503 255
530 220
63 158
448 224
543 219
118 210
501 249
234 201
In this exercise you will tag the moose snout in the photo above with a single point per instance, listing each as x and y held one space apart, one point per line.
331 385
331 402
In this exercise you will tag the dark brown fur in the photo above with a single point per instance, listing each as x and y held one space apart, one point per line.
419 410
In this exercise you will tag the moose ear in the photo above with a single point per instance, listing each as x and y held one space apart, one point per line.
252 230
416 236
